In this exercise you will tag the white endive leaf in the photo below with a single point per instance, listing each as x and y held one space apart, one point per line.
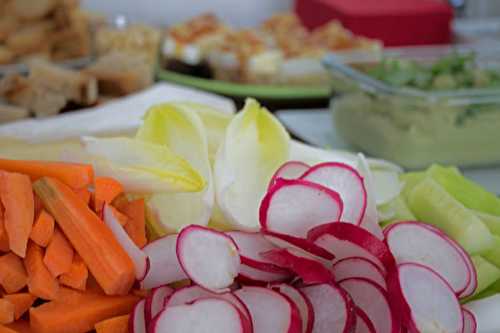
384 174
177 127
141 167
256 144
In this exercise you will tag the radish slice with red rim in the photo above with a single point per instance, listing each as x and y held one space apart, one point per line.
414 242
426 302
250 245
347 182
138 257
333 308
188 295
164 265
292 207
302 302
270 310
204 315
300 244
289 170
470 324
357 267
305 266
137 320
373 300
254 276
346 240
363 323
155 302
208 257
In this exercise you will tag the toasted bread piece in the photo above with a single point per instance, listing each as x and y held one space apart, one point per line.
120 73
73 85
11 113
29 38
33 10
6 55
8 24
73 39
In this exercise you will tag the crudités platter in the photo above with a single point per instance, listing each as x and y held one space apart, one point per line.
202 221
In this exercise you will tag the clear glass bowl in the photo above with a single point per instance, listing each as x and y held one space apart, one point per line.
412 127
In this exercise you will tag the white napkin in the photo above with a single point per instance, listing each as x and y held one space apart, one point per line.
121 116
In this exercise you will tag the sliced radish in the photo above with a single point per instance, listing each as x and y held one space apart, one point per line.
305 266
289 170
333 308
254 276
357 267
292 207
486 312
270 310
373 300
347 182
208 257
137 321
415 242
301 244
426 301
302 302
138 257
156 301
164 266
470 324
345 240
363 323
188 295
250 245
202 316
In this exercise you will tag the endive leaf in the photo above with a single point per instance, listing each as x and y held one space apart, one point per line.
255 145
141 167
177 127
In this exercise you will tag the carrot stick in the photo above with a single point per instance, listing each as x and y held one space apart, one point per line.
17 199
136 226
43 229
5 329
77 276
72 174
122 218
20 326
62 318
90 237
22 303
6 311
107 189
113 325
4 238
84 194
40 282
38 205
59 255
13 276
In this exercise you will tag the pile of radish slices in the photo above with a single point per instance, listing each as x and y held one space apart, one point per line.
318 265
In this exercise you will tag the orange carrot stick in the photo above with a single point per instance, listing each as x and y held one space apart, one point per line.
22 303
40 282
72 174
122 218
17 199
77 276
90 237
4 238
59 254
43 229
136 226
5 329
59 317
13 276
38 205
20 326
113 325
84 194
107 189
6 311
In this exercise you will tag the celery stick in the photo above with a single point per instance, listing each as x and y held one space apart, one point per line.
410 180
396 210
491 221
431 203
487 273
493 255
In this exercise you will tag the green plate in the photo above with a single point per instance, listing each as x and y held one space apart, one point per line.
259 91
